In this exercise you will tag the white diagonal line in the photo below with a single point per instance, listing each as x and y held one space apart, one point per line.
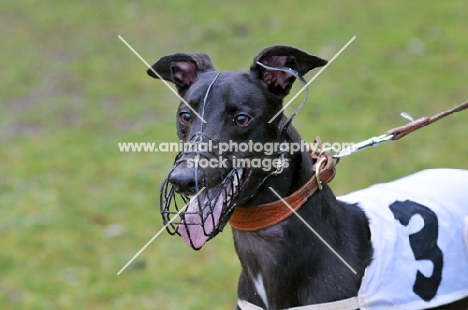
315 76
158 233
313 230
163 80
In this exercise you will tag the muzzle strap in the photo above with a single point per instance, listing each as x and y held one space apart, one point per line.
284 127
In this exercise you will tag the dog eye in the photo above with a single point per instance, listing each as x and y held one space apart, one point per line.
185 117
242 120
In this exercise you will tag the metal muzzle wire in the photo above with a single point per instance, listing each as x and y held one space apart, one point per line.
210 210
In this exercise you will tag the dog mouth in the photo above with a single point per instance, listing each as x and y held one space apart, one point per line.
204 215
198 227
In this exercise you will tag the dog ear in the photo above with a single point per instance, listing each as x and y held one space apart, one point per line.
182 69
280 82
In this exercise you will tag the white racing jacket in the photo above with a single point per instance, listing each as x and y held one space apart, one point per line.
419 232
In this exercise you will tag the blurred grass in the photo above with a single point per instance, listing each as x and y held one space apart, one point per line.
75 210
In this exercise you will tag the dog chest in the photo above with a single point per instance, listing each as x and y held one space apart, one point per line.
419 232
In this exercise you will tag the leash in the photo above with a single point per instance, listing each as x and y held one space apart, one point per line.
399 132
392 134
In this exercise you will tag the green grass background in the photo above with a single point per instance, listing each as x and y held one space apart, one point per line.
74 210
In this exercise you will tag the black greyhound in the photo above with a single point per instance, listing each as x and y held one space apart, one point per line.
284 264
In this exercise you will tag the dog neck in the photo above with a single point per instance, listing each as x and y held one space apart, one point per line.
283 263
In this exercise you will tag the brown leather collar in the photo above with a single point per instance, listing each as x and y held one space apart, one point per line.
260 217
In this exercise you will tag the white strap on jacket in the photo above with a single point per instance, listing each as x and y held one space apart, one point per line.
345 304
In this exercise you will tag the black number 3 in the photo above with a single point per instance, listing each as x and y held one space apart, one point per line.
424 245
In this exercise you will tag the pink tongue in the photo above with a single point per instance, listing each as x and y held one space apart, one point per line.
195 232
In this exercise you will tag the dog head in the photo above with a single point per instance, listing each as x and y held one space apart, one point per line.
219 109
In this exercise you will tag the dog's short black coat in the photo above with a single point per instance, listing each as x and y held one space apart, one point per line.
296 267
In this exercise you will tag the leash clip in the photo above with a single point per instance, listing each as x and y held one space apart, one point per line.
373 141
317 172
401 131
323 159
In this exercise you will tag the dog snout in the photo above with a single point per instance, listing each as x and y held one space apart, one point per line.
184 181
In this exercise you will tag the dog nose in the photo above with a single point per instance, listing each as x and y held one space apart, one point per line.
184 181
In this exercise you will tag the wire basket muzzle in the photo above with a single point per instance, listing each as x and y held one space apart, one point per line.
203 213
